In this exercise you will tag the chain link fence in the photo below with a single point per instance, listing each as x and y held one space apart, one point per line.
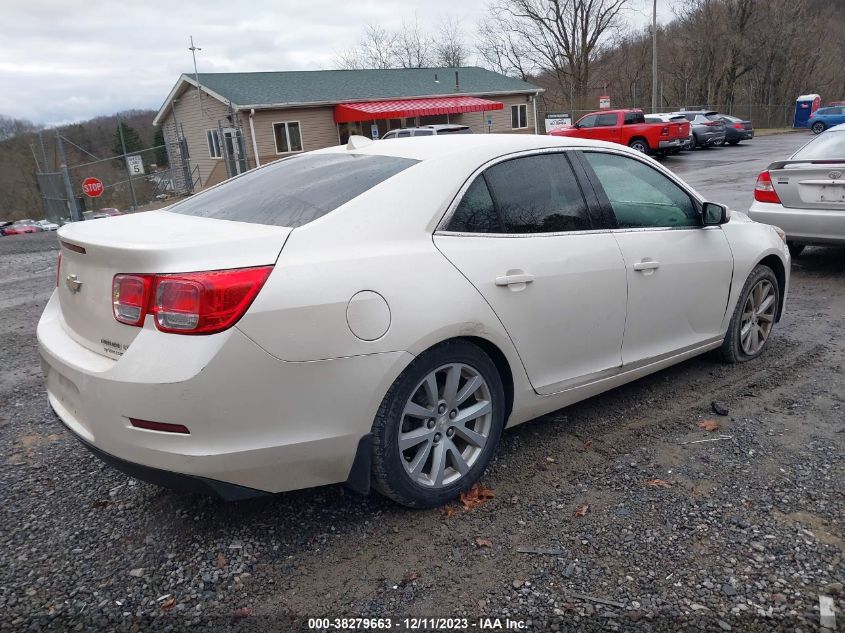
134 181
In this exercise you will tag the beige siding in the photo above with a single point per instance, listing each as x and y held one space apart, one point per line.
316 126
194 122
501 118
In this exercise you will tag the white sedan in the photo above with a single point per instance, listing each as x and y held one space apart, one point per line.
377 313
805 194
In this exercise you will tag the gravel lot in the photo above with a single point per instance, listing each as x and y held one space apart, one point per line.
739 534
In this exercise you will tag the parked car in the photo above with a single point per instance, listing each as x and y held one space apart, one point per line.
627 127
673 118
22 226
736 129
428 130
379 312
707 128
106 212
3 226
805 194
46 225
824 118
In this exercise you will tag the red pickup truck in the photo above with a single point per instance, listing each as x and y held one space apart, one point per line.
628 127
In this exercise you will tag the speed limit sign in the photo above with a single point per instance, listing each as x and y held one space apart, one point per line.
135 164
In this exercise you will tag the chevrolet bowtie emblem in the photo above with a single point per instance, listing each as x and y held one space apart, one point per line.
73 284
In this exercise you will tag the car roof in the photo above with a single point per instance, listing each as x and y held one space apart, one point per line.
480 145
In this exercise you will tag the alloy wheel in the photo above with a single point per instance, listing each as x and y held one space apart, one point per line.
445 425
758 317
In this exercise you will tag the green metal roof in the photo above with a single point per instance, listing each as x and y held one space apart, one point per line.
333 86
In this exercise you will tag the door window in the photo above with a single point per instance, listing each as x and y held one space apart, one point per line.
588 121
640 196
531 194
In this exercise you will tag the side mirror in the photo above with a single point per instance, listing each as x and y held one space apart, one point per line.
713 214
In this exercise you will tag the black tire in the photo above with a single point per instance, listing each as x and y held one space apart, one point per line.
640 144
795 250
818 127
731 350
734 142
389 476
721 143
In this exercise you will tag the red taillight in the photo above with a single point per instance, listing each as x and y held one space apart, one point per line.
739 126
764 190
188 303
159 426
58 270
130 297
712 124
664 131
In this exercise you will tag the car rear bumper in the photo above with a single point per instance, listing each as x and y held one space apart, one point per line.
805 226
255 422
675 142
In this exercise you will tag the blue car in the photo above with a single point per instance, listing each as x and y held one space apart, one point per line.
824 118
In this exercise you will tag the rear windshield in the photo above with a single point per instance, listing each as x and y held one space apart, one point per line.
826 146
294 191
712 117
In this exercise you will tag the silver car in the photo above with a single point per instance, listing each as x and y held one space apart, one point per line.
707 128
805 194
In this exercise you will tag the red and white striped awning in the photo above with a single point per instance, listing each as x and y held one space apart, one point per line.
370 110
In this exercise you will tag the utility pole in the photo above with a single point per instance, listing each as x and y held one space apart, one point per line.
654 58
126 163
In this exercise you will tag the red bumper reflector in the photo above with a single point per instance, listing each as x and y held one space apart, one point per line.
73 247
159 426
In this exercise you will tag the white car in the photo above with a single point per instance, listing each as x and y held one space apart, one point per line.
379 312
805 194
46 225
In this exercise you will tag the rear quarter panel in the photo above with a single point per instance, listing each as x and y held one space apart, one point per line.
379 242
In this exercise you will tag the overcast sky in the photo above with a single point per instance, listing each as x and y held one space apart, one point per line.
63 61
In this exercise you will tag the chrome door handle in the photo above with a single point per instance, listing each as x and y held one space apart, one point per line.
647 265
510 280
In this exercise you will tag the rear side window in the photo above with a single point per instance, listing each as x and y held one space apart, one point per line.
532 194
424 133
632 118
295 191
828 145
476 212
455 130
606 120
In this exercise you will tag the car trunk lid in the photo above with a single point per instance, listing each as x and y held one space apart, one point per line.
93 252
810 184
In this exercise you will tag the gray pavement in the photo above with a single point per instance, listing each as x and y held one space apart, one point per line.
727 174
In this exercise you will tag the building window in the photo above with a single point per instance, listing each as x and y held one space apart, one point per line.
213 139
519 116
288 137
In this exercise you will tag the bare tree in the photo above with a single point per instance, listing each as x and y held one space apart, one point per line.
376 49
503 51
10 127
411 46
449 47
558 37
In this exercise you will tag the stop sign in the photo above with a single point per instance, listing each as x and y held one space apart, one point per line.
93 187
